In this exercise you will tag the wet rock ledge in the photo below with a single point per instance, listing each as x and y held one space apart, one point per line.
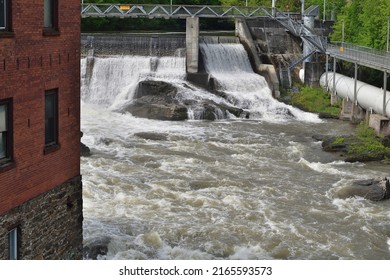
158 100
353 149
372 189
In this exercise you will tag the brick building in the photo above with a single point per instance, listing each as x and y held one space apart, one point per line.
40 182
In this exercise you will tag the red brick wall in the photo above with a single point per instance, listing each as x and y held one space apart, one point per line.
31 63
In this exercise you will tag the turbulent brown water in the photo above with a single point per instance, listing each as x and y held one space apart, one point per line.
258 188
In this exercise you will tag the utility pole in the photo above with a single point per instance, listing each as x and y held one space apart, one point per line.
324 10
273 7
388 33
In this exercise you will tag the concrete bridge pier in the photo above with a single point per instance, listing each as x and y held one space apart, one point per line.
192 44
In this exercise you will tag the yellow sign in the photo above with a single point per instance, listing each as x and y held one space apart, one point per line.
124 7
341 49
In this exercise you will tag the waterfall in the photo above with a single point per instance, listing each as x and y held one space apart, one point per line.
114 79
111 80
229 66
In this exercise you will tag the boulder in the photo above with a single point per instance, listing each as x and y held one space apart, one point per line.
212 110
84 149
372 189
156 100
333 144
152 136
346 147
324 115
365 156
96 248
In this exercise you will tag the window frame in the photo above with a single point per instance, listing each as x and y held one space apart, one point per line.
52 27
6 29
51 126
8 158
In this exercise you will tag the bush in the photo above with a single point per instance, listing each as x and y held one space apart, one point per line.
314 100
369 142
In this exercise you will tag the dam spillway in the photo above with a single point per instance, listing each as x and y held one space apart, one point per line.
234 188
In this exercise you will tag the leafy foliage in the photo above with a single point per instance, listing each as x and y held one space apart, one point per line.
314 100
368 141
365 23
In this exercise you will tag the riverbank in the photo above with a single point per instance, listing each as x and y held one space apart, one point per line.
364 145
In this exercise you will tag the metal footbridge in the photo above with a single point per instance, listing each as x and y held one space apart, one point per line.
312 43
205 11
171 11
363 56
372 58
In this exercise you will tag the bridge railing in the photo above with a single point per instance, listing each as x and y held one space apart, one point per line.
171 11
363 55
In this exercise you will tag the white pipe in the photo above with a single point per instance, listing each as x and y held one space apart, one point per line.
302 75
368 96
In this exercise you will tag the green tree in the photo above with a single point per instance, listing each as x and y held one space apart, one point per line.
365 23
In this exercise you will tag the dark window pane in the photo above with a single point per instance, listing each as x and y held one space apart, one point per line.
3 117
3 16
51 118
3 131
3 145
48 14
50 106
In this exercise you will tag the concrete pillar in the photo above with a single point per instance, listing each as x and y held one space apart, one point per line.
355 108
192 44
313 72
326 71
333 97
384 92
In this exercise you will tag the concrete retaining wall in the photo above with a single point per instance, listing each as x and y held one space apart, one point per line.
266 70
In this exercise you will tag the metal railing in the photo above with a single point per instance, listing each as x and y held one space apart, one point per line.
365 56
171 11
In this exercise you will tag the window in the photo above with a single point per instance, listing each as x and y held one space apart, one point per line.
13 243
4 15
5 132
51 118
50 15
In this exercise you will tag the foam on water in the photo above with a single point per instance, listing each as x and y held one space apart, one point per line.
232 189
388 243
229 65
112 81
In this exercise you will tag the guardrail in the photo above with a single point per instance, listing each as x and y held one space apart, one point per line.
171 11
365 56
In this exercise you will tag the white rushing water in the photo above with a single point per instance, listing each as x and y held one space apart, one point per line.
230 189
229 65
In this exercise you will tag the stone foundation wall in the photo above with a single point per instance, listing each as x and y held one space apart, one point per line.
50 225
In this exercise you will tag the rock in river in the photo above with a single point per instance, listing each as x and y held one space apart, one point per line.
372 189
156 100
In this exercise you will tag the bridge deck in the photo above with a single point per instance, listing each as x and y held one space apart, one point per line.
368 57
363 56
171 11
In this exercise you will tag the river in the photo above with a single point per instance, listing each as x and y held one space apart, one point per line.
234 188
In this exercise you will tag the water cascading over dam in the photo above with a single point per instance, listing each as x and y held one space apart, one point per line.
228 189
117 69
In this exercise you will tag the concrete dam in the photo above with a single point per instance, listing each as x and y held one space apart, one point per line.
225 78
